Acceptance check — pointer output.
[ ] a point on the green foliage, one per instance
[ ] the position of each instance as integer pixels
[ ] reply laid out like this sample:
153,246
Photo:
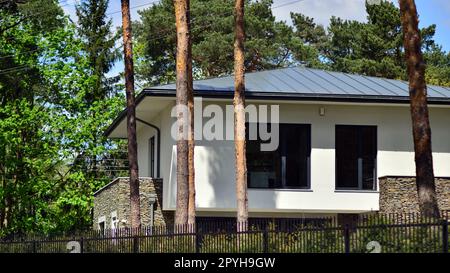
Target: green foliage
269,43
438,66
28,158
56,100
374,48
394,235
94,29
50,133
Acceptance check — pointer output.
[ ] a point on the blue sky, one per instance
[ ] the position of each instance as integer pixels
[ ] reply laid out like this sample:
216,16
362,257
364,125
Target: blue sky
430,12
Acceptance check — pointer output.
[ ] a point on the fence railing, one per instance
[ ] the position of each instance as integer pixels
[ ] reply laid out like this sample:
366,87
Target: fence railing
365,234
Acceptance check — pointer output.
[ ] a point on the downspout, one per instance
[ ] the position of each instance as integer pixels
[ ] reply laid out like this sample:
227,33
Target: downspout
158,143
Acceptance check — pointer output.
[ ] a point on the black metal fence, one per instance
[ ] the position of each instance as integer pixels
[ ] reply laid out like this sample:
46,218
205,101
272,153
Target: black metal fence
392,233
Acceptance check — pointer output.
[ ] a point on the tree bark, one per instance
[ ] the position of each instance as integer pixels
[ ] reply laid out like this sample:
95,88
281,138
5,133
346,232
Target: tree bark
191,142
182,67
419,109
239,117
131,117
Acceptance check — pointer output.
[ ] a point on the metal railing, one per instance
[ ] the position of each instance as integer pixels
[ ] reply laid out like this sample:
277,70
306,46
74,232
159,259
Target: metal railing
393,233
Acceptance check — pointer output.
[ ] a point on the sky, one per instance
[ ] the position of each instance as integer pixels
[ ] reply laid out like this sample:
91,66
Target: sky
430,12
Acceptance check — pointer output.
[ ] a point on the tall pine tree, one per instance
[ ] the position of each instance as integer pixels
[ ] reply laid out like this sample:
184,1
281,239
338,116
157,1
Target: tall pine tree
95,29
269,43
373,48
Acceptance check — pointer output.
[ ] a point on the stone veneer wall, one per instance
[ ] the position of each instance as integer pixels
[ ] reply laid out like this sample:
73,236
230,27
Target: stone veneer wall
399,194
116,197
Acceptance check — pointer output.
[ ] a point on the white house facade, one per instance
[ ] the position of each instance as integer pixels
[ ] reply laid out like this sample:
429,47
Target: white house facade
338,134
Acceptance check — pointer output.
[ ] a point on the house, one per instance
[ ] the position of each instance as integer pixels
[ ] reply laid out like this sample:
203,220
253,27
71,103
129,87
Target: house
342,139
112,204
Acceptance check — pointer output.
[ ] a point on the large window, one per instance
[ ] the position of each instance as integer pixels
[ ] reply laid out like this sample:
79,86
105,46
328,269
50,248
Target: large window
356,157
286,167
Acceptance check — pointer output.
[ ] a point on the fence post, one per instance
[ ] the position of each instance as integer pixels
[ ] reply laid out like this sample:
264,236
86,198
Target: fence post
347,238
266,239
135,244
198,239
34,246
81,245
445,236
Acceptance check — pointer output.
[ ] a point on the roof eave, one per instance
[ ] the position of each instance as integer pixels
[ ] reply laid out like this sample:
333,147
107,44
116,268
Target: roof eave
274,95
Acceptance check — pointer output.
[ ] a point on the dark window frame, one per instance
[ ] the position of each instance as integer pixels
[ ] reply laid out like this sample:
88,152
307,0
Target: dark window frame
102,227
375,175
308,126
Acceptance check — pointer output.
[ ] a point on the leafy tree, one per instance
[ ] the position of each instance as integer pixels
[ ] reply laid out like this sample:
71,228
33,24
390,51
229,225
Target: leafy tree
46,123
28,150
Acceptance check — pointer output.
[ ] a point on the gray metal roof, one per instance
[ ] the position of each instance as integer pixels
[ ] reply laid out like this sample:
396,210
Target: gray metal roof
312,82
300,83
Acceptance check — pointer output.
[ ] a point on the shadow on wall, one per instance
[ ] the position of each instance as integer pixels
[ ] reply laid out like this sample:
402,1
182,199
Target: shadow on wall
220,159
217,179
394,134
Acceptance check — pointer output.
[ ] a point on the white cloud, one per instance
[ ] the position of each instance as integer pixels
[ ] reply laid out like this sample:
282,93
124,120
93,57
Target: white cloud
322,10
113,12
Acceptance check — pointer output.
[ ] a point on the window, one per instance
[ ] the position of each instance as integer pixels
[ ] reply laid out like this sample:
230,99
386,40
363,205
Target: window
286,167
114,220
356,156
102,224
152,200
151,146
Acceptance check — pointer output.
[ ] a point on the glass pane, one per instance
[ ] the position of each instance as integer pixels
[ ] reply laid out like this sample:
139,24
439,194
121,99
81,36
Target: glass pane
353,144
369,180
346,157
369,155
296,139
368,141
265,170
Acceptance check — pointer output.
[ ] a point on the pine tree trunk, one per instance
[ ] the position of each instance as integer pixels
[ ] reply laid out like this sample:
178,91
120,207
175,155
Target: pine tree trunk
419,109
239,117
191,143
131,117
182,67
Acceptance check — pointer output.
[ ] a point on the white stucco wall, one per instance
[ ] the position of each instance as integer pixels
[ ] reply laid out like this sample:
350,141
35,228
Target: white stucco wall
214,160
